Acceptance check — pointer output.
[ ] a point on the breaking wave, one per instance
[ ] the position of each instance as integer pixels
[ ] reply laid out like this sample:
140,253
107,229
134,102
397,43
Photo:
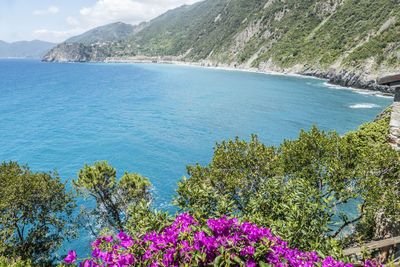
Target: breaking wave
364,105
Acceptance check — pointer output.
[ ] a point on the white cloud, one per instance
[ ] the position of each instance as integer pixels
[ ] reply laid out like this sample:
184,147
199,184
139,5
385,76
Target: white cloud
49,10
72,21
55,36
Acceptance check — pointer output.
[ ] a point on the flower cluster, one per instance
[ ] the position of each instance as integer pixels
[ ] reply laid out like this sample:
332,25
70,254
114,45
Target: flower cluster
222,241
372,263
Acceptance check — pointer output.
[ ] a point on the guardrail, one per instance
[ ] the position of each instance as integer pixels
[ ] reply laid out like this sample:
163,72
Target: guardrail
372,246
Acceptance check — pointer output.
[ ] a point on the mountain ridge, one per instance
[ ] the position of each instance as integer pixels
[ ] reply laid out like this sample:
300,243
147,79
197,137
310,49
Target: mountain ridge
350,42
105,33
25,49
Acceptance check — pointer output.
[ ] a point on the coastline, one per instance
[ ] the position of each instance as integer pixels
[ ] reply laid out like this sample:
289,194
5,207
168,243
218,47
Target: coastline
219,66
357,78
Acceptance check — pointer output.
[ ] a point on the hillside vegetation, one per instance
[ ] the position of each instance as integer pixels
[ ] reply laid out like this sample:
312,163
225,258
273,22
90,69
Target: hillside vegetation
109,32
317,37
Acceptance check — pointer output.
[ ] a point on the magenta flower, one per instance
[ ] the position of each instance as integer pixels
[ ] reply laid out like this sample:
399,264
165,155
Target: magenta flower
122,236
186,242
96,252
251,263
71,258
96,242
248,250
88,263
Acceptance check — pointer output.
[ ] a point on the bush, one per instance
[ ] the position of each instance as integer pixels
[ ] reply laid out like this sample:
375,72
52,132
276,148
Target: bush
6,262
35,214
300,189
113,199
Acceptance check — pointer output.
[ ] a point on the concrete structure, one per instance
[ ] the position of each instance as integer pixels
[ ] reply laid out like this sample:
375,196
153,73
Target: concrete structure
394,132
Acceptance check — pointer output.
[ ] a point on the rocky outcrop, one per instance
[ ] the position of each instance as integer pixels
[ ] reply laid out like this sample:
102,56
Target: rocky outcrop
394,132
68,52
75,52
347,78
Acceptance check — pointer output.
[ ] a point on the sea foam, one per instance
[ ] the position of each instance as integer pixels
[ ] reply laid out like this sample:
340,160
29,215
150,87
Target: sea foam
364,105
358,91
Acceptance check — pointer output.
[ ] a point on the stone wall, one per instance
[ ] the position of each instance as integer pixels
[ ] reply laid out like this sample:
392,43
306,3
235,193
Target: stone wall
394,132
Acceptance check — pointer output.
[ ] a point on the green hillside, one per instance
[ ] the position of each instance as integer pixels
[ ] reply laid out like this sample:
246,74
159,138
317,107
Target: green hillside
109,32
318,32
202,28
318,37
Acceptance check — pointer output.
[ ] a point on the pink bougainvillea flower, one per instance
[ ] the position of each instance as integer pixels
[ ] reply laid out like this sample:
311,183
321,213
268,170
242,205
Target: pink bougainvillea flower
71,258
184,240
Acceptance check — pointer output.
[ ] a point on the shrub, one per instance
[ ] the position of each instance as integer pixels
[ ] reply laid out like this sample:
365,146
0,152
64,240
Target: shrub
301,189
113,199
35,213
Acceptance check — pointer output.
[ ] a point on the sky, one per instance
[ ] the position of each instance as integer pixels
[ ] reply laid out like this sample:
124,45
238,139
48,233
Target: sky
57,20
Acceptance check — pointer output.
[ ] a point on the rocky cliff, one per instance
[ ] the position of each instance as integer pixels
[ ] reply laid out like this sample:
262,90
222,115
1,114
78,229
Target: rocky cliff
75,52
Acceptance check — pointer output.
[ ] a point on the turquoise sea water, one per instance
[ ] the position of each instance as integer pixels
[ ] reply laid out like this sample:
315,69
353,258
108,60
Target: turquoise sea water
155,119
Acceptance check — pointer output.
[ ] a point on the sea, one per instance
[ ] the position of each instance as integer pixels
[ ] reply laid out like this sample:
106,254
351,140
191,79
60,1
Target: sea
154,119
